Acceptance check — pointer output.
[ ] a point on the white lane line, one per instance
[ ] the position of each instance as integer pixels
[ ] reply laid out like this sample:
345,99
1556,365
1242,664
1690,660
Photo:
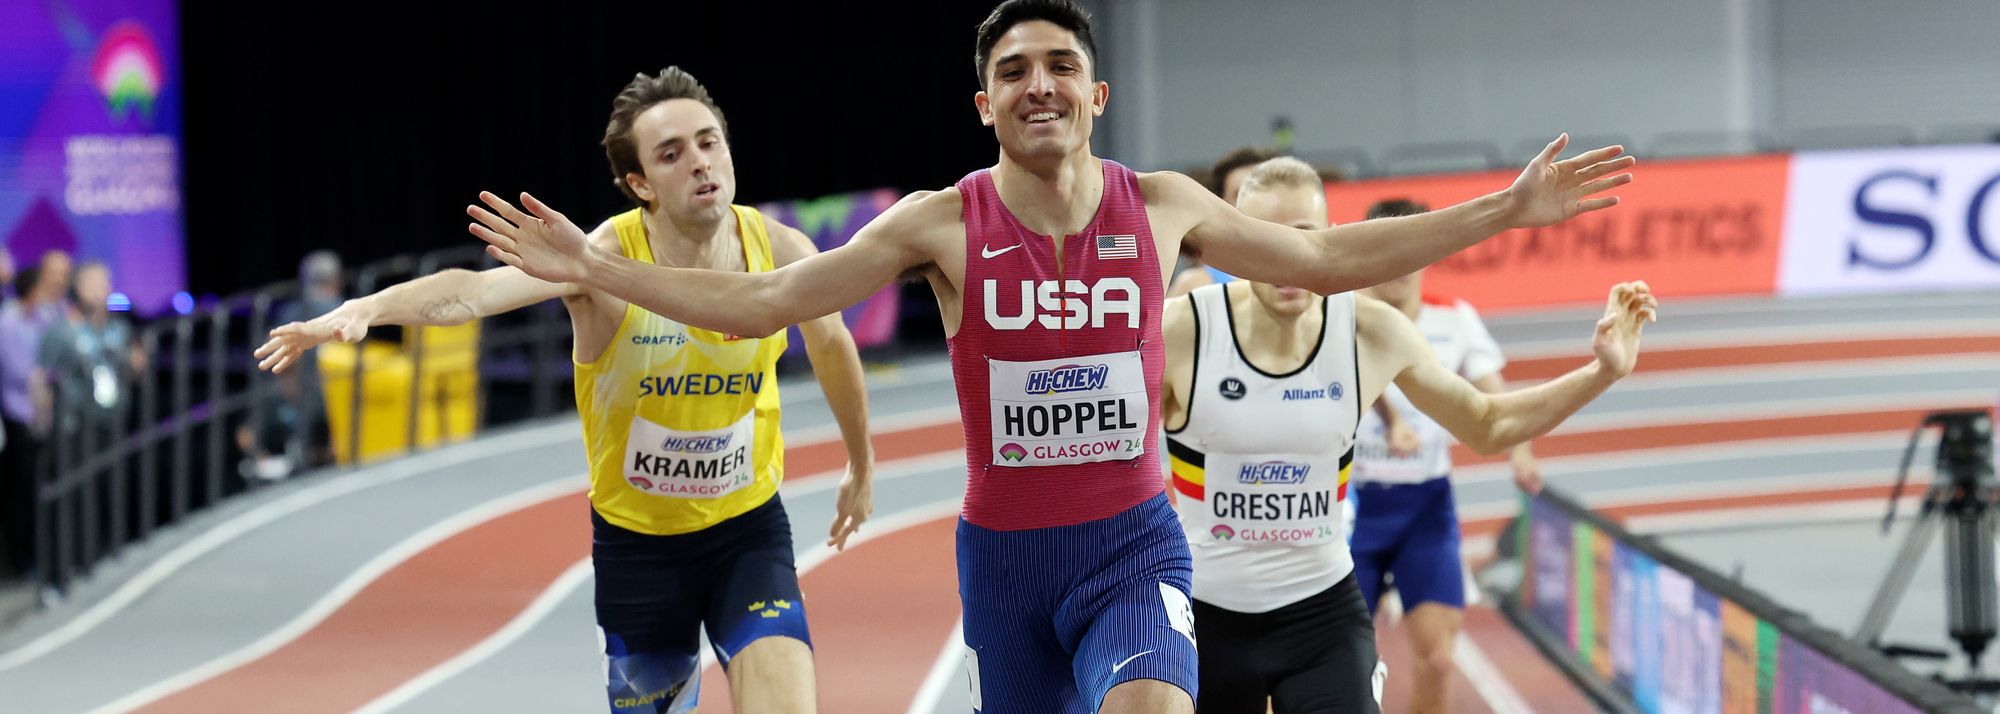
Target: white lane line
1654,416
1486,679
940,677
345,590
335,486
546,603
340,485
1786,514
1614,464
536,611
879,527
1783,372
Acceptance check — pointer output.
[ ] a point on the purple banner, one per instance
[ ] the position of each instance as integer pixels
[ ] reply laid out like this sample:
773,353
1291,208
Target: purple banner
832,221
90,123
1812,683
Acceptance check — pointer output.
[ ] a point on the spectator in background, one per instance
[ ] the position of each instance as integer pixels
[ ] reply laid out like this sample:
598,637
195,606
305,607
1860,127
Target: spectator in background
1224,178
22,324
90,358
293,434
6,277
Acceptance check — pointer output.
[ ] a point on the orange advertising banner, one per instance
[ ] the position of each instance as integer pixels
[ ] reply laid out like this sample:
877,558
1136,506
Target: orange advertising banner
1698,227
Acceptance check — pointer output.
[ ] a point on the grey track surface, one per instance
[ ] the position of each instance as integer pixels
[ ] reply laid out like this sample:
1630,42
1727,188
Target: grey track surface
243,589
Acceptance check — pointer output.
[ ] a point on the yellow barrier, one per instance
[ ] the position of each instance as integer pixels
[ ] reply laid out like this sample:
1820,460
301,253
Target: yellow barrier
448,395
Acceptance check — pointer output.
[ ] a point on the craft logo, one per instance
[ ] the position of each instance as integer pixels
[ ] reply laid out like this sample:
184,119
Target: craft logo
1068,378
1013,452
1222,532
128,70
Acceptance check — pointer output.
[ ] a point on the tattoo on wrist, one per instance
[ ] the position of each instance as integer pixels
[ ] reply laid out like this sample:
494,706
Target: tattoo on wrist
453,307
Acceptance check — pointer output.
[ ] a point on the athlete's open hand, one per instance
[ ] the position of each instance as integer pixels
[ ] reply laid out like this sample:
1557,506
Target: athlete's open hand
1551,191
546,245
1626,313
855,503
346,323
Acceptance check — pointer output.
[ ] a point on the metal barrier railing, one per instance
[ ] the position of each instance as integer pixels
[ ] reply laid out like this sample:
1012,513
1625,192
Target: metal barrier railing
1595,599
113,477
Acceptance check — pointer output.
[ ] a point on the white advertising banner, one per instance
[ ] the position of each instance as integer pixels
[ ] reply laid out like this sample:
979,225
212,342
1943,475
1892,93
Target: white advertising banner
1881,220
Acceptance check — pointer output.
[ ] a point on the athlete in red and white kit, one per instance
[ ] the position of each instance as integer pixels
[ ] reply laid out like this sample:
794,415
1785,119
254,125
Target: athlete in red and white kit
1048,268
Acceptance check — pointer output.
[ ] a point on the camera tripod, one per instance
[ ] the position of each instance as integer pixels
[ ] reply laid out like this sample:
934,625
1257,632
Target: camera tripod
1961,499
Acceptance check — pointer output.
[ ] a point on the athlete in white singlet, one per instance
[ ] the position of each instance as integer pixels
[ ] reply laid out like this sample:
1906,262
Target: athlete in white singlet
1265,387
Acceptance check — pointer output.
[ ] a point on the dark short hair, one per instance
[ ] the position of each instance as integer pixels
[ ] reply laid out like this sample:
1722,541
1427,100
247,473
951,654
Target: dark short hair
1065,14
641,94
1390,208
1239,157
26,279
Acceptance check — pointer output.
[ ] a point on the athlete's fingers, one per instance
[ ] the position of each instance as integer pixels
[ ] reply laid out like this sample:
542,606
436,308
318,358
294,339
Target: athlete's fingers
505,209
1579,161
1604,167
494,222
497,240
1549,153
503,256
265,350
284,363
540,209
1595,204
1605,184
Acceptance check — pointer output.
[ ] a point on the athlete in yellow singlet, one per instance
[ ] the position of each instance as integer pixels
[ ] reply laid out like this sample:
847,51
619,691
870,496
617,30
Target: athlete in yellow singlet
681,424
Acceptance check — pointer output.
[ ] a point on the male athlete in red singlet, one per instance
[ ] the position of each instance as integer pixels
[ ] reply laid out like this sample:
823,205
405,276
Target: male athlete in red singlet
1048,267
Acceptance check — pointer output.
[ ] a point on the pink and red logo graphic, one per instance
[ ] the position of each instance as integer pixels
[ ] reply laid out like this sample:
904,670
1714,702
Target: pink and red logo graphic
128,70
1013,452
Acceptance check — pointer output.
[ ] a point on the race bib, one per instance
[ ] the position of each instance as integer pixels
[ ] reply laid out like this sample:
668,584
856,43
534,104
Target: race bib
690,464
1374,461
1072,410
1276,499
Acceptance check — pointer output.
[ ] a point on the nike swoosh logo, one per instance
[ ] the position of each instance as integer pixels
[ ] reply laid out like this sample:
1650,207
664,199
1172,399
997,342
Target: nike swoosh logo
1128,660
985,252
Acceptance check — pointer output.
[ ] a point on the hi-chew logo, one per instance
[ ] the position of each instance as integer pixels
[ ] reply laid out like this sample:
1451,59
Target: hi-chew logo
696,444
1275,472
128,70
1067,378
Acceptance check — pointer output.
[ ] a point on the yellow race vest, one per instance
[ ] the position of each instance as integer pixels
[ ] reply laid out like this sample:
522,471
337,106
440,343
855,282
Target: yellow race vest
681,423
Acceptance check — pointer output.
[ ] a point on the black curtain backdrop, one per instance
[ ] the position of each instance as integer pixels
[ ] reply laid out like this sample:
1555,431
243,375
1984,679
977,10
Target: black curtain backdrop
366,127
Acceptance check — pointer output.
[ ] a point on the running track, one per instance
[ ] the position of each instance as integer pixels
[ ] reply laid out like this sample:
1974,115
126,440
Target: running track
458,580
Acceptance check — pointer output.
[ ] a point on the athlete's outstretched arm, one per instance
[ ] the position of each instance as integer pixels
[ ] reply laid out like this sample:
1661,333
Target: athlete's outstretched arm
547,245
836,363
1393,350
1357,255
447,297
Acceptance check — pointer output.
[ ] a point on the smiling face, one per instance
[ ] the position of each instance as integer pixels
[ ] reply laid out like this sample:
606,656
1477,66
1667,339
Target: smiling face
686,169
1040,97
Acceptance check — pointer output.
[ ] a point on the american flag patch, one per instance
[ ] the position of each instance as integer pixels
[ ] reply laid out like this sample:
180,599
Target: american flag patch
1117,247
